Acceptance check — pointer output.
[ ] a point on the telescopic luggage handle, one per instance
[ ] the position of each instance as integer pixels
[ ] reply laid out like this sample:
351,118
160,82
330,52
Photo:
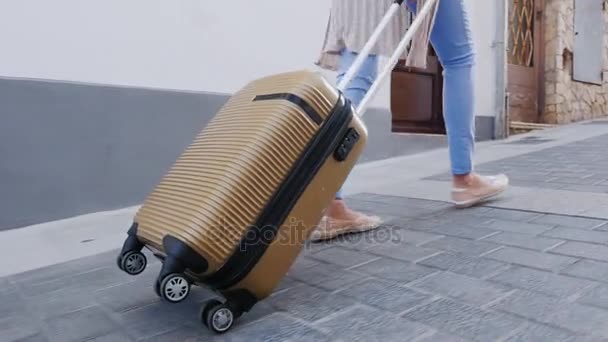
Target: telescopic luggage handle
393,60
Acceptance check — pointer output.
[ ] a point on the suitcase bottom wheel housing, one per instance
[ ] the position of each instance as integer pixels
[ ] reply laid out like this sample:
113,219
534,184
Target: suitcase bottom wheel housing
131,260
219,317
173,284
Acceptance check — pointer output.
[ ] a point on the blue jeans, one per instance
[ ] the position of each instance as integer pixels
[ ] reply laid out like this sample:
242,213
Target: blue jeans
452,41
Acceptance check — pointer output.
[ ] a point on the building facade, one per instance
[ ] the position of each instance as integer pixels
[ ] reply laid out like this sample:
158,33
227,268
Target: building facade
99,98
555,67
576,58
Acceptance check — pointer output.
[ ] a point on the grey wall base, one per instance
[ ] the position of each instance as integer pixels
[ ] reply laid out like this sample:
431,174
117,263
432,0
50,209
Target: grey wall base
68,149
484,128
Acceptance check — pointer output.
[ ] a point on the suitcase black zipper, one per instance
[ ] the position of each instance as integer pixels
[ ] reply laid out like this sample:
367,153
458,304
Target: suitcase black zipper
263,233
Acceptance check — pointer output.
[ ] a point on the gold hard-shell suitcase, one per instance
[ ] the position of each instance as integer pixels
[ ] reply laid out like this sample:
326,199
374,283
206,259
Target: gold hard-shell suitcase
234,211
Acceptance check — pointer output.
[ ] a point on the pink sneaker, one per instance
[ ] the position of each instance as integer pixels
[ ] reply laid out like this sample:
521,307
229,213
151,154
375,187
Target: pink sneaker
484,188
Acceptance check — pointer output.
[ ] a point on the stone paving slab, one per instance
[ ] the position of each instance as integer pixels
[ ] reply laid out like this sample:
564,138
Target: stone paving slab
431,273
579,166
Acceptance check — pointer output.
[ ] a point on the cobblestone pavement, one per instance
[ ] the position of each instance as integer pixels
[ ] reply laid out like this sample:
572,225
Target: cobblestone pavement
581,166
432,273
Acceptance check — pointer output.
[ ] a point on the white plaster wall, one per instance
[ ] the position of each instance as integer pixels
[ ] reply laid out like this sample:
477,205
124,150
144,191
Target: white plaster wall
483,23
214,46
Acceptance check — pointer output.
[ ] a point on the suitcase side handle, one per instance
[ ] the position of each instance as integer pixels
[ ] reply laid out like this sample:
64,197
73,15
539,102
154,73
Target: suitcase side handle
393,60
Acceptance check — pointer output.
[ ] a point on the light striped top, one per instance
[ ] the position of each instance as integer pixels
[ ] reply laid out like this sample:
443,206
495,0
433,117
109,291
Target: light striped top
352,22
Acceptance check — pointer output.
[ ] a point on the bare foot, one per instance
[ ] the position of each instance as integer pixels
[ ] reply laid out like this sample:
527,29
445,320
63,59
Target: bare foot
339,220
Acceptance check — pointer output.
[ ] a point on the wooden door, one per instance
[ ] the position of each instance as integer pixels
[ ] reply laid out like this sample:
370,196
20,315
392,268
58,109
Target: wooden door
416,98
525,60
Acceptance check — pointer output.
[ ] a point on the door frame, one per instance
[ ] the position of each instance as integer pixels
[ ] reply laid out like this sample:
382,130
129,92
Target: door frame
501,104
514,71
540,13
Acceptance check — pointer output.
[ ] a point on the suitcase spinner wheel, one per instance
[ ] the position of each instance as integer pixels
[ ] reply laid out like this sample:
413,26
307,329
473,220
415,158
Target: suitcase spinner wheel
217,316
131,260
133,263
173,288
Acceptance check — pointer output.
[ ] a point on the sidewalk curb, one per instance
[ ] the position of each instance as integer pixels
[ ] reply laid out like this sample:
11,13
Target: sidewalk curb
98,232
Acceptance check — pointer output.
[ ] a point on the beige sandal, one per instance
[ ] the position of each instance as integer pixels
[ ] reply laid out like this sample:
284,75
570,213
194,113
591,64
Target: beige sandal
330,228
491,187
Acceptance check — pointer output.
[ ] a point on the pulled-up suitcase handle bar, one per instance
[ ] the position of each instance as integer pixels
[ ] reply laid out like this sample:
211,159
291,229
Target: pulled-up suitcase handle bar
394,59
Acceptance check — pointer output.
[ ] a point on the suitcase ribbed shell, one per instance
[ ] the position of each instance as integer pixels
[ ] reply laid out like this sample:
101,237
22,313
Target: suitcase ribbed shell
224,179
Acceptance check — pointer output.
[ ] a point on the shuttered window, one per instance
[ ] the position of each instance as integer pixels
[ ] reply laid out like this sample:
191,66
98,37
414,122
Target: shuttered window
588,41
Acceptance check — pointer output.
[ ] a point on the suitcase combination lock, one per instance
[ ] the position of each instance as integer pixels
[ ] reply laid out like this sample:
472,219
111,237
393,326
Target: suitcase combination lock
346,145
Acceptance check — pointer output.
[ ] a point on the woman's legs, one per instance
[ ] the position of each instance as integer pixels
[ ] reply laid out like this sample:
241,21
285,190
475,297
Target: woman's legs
453,42
339,218
360,84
